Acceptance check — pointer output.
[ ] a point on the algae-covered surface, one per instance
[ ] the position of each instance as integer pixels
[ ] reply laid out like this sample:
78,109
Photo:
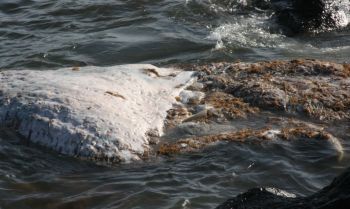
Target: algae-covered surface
276,100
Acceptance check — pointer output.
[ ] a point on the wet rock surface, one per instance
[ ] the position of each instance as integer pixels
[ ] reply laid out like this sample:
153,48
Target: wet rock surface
311,16
336,195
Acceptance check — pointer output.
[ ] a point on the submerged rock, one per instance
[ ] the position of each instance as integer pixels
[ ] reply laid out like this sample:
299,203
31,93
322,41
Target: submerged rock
288,131
334,196
101,113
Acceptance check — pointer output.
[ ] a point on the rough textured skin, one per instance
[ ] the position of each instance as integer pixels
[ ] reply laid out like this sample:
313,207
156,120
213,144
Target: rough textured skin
334,196
99,113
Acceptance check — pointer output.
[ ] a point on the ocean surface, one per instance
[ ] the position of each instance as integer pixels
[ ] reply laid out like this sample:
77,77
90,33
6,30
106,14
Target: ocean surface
46,34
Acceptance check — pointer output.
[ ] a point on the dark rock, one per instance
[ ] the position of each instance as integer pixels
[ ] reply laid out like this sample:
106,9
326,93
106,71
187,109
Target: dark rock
336,195
300,16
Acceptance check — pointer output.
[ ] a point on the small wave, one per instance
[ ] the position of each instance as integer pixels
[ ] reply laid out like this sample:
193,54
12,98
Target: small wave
250,26
257,32
247,32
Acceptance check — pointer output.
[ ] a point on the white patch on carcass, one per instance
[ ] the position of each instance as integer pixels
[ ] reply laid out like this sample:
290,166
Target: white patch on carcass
93,112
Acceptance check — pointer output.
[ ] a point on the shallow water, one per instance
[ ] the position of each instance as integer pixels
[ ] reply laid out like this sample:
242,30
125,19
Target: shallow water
52,34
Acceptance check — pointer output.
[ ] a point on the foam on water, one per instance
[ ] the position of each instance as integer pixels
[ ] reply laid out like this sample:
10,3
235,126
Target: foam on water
344,10
247,26
279,192
94,112
247,32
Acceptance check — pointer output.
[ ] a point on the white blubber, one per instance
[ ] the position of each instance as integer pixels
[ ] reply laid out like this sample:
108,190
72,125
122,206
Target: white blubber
93,112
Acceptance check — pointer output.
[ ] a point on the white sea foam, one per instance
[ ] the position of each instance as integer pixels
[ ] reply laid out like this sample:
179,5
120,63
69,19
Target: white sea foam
102,112
280,192
247,32
258,30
